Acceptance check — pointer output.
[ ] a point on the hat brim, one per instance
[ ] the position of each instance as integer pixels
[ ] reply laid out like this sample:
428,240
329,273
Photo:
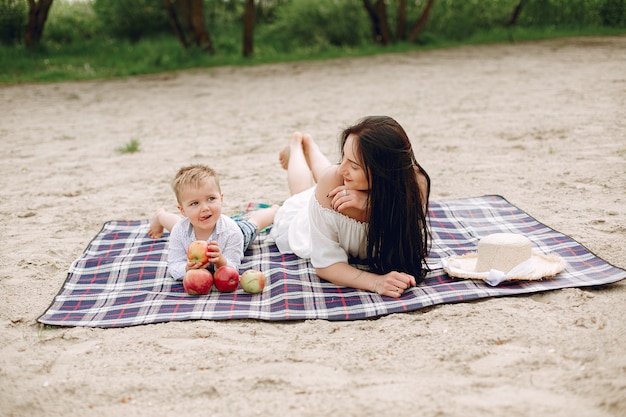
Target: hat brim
544,266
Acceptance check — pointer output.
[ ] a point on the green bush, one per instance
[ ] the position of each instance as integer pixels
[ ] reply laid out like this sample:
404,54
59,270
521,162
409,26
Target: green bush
70,22
573,13
613,13
13,18
113,38
132,19
319,23
456,20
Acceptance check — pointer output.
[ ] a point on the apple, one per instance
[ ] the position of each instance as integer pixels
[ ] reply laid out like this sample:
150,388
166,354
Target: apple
252,281
197,252
226,279
198,281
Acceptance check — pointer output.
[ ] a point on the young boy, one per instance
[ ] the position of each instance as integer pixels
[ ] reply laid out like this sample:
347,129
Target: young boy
200,200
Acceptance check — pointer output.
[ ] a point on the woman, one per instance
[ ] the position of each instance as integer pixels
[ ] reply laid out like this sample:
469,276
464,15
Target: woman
371,206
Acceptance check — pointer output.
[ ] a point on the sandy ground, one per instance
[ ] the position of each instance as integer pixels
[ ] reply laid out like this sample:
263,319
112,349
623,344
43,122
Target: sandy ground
543,124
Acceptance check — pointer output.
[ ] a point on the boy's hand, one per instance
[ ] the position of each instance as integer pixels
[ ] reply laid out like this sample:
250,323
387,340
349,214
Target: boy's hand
215,254
196,265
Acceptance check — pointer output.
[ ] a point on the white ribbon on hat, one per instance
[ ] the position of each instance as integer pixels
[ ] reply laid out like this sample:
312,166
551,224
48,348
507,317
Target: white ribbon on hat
495,277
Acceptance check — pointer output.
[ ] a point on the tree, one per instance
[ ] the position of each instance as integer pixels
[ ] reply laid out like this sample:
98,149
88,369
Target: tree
37,15
401,20
515,15
187,20
380,28
421,22
248,28
378,15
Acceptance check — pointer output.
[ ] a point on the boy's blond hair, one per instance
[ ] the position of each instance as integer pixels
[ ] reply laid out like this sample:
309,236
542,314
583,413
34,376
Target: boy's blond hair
194,176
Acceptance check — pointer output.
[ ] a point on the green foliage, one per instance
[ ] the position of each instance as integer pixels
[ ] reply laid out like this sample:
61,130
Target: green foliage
130,147
456,20
13,17
131,19
613,13
116,38
71,22
318,24
573,13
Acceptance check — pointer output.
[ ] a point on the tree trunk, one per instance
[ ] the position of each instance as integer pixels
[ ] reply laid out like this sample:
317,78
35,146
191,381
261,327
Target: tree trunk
37,15
177,27
248,29
381,10
378,16
401,26
187,20
200,32
515,15
421,22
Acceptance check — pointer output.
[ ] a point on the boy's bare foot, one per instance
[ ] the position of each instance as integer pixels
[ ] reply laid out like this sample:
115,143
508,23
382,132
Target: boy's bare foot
155,230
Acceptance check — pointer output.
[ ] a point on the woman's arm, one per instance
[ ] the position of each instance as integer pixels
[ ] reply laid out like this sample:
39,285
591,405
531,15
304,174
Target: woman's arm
422,183
391,284
329,192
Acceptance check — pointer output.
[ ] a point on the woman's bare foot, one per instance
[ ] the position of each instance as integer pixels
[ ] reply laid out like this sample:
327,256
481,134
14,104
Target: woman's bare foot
285,153
155,230
283,157
315,160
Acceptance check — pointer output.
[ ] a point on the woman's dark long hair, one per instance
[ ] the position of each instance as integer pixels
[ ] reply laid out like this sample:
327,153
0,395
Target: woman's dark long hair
398,235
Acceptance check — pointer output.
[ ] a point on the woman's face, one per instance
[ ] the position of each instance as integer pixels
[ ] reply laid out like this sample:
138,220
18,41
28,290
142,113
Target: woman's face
351,169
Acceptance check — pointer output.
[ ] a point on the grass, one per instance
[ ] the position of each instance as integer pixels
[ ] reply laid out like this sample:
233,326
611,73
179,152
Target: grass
105,59
131,147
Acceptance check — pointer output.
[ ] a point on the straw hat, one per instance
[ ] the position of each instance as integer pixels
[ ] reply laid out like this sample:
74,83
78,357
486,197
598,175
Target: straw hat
503,257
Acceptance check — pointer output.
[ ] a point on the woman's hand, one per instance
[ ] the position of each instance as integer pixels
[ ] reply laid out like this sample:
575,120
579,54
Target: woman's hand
342,199
394,283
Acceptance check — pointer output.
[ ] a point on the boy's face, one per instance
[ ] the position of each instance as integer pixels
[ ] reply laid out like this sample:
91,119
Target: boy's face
203,207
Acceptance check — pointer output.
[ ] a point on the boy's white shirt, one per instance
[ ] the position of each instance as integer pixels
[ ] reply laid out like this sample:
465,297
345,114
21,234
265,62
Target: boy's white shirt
227,234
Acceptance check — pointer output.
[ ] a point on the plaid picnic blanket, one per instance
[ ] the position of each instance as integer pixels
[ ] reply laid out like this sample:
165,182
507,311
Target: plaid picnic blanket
120,279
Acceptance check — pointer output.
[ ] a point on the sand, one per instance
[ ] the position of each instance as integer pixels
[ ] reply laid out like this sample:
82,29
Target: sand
541,123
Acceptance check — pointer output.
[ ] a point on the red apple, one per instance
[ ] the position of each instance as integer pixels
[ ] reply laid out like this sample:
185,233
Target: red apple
197,252
252,281
226,279
197,281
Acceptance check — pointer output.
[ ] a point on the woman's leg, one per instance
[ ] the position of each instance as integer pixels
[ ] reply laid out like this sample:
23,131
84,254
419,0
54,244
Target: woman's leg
316,160
302,158
298,172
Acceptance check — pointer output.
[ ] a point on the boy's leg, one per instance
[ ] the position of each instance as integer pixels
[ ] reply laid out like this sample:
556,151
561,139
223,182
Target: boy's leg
249,231
255,222
160,220
263,217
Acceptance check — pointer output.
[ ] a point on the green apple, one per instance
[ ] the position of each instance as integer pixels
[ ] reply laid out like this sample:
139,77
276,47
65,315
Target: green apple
252,281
